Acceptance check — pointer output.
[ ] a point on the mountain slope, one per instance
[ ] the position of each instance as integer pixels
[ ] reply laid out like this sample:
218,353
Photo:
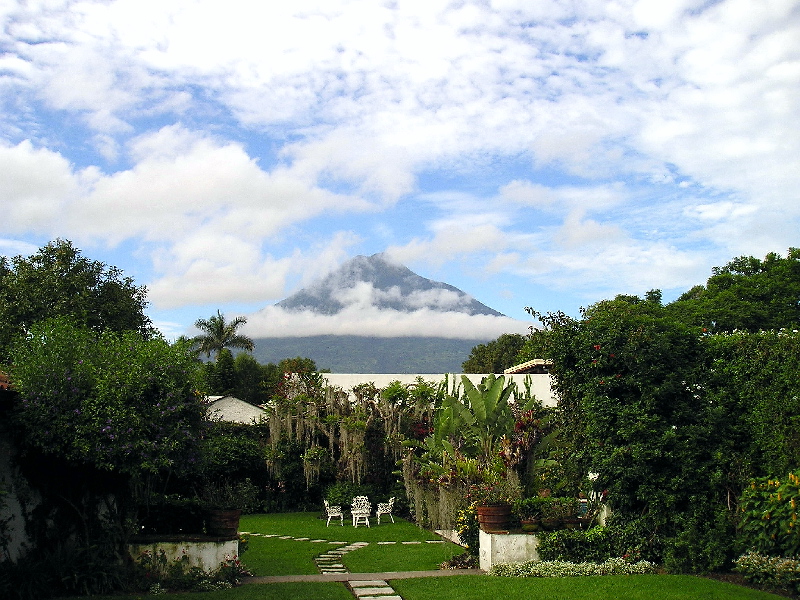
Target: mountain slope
373,280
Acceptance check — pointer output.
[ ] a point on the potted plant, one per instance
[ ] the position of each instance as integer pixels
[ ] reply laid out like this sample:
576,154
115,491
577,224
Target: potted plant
223,502
529,511
493,499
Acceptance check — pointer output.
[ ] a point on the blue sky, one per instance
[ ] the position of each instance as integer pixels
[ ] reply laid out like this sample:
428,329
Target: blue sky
546,154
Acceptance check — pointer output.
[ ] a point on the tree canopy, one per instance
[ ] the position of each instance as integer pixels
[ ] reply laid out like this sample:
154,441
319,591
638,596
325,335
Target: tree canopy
219,334
747,294
59,281
495,356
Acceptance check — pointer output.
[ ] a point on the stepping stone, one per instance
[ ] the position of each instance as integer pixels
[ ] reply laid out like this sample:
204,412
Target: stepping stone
373,591
302,539
286,537
270,535
434,541
393,597
318,541
338,543
386,543
410,543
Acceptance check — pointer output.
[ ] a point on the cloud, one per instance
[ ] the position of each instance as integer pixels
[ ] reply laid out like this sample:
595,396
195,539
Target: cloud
359,319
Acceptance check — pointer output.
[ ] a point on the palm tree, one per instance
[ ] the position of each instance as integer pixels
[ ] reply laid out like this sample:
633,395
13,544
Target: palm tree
217,334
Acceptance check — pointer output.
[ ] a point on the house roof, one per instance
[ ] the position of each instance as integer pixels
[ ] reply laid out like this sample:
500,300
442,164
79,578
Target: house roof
535,366
228,408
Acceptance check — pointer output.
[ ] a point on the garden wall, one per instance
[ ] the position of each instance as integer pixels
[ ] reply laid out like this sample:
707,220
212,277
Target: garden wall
507,548
541,384
207,555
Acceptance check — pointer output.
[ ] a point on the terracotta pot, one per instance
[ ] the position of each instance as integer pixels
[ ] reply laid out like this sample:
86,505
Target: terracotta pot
223,522
495,517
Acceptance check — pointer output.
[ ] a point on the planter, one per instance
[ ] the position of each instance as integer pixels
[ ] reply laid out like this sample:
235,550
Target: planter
223,522
530,525
551,524
495,517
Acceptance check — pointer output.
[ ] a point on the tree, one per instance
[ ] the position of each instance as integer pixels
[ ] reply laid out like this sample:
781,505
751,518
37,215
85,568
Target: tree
495,356
59,281
746,294
217,335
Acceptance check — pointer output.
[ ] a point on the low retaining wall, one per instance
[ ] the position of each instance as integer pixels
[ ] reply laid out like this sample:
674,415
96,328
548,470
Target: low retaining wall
206,553
507,548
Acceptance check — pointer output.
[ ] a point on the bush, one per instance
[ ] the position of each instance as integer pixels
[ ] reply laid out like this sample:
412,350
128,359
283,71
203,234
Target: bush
769,516
468,528
612,566
343,492
772,571
592,545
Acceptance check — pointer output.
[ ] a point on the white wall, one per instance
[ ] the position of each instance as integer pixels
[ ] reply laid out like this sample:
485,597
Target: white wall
540,383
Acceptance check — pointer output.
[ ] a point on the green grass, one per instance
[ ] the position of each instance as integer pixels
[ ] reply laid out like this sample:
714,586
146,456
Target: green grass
274,556
271,591
310,525
611,587
400,557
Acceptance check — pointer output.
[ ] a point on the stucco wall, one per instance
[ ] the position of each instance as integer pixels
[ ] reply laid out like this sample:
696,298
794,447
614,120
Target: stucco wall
507,548
541,384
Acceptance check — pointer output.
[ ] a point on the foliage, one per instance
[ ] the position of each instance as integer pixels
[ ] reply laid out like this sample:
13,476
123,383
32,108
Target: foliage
116,401
769,516
59,281
747,294
342,493
575,545
755,379
155,572
468,528
502,490
219,334
772,571
612,566
226,494
495,356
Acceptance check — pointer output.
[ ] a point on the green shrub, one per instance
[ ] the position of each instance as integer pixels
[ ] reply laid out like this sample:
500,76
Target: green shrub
343,492
468,528
772,571
592,545
769,516
612,566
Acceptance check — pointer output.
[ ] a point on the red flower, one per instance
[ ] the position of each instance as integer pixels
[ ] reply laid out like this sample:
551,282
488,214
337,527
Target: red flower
597,346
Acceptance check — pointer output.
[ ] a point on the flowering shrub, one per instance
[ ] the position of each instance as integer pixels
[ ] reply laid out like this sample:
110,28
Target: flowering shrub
468,528
773,571
157,572
557,568
769,521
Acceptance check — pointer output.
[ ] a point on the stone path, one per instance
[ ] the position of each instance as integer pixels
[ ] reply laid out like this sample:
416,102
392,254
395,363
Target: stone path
365,586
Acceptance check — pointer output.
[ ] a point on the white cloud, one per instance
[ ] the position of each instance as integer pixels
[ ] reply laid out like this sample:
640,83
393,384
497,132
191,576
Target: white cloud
362,320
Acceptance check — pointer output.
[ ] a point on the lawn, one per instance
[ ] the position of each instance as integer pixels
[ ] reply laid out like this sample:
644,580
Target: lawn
610,587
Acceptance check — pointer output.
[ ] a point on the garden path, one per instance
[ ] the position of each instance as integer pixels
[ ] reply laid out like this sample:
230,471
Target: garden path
365,586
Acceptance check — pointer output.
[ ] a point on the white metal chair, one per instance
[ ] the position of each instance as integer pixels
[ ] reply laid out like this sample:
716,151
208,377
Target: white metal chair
361,509
385,508
333,512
